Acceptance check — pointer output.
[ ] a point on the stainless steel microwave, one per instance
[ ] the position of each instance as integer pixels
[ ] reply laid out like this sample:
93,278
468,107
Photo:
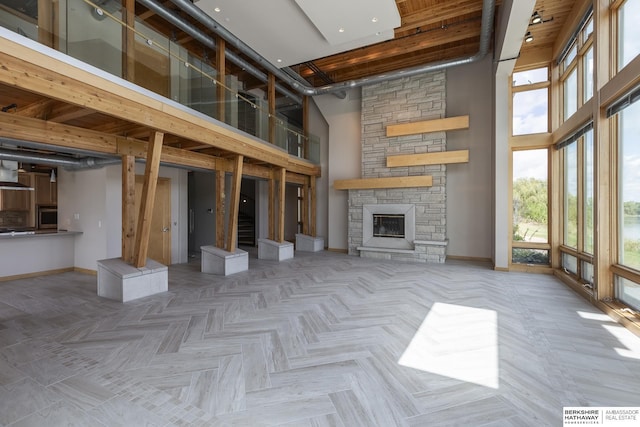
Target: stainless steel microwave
47,217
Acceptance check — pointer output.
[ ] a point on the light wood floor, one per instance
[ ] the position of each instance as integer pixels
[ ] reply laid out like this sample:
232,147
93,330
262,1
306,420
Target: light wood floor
321,340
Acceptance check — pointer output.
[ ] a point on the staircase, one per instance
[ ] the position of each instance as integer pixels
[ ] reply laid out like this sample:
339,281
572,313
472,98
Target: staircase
246,230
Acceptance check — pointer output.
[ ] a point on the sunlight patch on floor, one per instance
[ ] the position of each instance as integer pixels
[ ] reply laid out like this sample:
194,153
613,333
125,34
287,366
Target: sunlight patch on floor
626,338
458,342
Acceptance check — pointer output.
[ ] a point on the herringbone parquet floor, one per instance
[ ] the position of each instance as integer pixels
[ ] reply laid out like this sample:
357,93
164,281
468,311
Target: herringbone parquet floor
321,340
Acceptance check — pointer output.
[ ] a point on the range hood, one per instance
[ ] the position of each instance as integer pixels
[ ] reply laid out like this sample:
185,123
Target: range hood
9,178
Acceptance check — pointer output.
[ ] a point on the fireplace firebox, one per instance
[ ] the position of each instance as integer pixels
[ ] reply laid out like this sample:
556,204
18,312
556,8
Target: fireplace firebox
388,225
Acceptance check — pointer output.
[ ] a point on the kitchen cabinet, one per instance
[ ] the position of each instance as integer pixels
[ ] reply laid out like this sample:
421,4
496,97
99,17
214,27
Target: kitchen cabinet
16,200
46,191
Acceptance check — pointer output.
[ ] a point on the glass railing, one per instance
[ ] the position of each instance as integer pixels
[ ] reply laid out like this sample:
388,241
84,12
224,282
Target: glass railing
99,33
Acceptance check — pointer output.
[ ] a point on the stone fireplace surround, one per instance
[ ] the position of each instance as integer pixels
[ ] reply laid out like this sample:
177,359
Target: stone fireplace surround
403,100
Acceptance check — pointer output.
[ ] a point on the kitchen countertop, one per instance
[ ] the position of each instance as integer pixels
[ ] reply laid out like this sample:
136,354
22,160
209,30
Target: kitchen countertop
40,233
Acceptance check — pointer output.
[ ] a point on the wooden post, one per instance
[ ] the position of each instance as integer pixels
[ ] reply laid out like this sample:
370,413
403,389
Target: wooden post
271,98
604,158
154,150
129,40
45,22
234,204
312,220
272,206
304,214
220,208
221,67
128,207
305,127
281,198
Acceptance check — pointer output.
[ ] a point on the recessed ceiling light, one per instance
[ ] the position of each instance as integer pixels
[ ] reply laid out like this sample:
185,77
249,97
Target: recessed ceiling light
217,9
374,19
341,30
279,60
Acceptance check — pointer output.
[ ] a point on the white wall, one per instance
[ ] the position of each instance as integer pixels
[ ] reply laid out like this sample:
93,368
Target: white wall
319,127
90,201
82,199
469,185
344,158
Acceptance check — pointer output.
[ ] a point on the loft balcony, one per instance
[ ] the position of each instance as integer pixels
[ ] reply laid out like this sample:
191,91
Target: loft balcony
110,79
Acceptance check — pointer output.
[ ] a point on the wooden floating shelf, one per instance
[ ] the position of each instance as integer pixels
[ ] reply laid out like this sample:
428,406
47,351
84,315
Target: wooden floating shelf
422,159
391,182
437,125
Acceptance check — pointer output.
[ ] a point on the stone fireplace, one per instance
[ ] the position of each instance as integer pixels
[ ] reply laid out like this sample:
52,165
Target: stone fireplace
407,224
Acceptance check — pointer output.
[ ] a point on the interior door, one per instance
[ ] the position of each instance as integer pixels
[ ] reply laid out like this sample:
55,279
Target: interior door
160,235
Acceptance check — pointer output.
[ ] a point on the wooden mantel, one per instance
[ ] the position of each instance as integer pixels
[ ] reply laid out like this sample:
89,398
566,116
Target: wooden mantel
376,183
424,159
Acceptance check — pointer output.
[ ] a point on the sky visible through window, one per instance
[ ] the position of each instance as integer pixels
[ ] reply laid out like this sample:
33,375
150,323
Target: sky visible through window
629,31
530,112
630,127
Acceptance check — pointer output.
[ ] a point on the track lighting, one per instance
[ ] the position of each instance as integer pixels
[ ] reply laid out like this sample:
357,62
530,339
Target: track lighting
528,38
536,18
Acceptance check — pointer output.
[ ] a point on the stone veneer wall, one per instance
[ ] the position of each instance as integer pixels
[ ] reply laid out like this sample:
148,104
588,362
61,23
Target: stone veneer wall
403,100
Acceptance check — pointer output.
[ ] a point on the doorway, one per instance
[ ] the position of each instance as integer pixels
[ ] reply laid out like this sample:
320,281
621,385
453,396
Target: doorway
160,234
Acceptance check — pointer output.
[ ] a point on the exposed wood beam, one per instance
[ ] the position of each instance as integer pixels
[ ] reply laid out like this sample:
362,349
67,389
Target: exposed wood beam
282,181
426,126
424,159
220,208
61,113
234,205
173,155
391,182
128,208
38,110
30,129
143,228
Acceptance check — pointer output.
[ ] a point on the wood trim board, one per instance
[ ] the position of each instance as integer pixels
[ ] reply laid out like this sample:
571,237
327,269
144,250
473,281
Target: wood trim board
426,126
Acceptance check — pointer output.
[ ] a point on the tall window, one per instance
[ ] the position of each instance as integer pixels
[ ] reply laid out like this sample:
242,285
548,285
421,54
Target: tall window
530,207
628,32
628,290
629,186
576,68
578,209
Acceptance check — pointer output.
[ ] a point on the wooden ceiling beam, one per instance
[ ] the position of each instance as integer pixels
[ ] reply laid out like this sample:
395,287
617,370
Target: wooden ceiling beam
39,109
62,112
